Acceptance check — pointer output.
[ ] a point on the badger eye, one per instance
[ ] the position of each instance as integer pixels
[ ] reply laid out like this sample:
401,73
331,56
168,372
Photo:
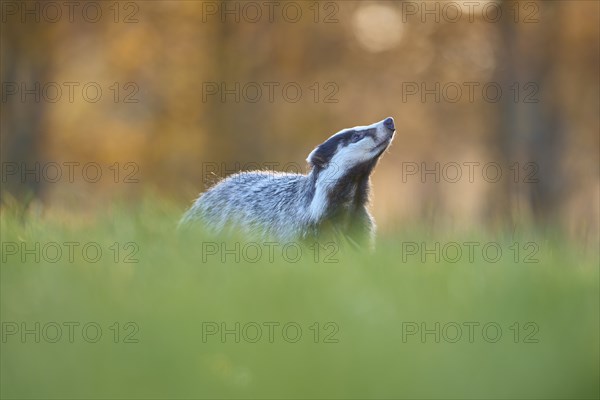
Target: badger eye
356,137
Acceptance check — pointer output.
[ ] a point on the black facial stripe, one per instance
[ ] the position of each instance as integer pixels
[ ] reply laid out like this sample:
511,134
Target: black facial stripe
326,150
364,133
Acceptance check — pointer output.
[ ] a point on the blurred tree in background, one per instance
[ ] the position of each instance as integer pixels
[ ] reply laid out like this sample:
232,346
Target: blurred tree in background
158,64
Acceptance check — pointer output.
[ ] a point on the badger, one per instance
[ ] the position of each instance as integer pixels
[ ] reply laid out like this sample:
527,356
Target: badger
328,203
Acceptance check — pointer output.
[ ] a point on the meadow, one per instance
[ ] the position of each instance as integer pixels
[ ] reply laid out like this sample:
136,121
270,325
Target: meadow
120,305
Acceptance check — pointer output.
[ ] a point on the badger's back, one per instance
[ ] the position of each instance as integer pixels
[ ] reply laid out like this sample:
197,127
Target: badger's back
262,203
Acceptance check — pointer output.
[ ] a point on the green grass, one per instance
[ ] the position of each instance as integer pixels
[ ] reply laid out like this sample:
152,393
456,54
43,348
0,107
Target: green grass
170,293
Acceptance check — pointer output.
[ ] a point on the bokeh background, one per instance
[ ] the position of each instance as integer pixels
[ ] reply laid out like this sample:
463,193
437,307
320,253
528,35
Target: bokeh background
160,125
363,57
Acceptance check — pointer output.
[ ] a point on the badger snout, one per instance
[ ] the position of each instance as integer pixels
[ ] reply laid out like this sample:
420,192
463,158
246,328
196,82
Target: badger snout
384,135
386,129
389,124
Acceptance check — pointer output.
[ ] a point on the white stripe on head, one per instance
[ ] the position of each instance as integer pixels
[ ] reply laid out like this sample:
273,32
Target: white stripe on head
336,156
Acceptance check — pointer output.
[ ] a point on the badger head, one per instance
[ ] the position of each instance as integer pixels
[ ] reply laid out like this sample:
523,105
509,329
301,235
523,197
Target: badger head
353,147
342,164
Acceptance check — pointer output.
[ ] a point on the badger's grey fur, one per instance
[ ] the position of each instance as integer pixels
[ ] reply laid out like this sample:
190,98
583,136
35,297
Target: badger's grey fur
330,202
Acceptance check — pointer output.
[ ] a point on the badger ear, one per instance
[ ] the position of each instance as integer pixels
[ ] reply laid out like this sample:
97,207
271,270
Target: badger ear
324,153
316,159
